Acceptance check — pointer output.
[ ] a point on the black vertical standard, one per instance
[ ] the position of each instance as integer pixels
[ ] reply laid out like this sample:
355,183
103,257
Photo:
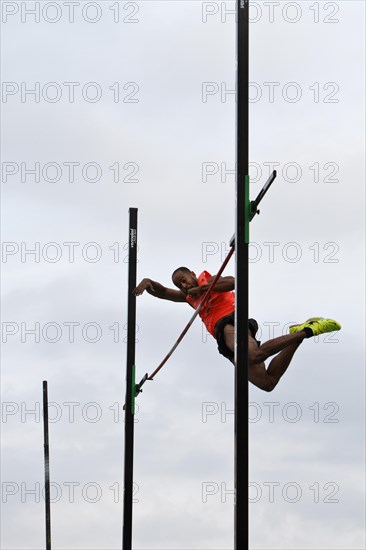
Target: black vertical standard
242,279
46,466
130,385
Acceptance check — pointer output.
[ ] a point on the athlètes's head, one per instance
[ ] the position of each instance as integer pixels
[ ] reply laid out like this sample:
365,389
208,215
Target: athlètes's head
184,279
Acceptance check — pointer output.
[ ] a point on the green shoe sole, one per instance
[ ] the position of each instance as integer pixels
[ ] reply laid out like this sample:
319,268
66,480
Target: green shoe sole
318,325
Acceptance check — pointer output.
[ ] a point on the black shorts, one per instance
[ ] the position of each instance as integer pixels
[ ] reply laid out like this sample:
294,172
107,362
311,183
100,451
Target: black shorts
220,337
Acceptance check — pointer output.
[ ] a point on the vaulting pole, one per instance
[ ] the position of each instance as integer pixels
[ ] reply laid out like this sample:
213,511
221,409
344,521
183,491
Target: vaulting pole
241,474
130,385
46,466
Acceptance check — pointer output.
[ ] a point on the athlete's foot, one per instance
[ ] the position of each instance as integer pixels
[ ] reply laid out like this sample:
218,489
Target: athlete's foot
315,326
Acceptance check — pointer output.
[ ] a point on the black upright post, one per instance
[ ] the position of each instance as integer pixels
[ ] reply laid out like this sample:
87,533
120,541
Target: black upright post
242,279
46,466
130,385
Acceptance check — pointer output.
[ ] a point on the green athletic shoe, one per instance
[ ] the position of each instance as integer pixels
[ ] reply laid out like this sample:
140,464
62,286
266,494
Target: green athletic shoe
317,325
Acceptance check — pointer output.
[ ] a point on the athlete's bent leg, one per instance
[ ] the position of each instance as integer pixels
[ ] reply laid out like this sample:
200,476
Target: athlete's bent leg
269,348
281,362
272,347
267,379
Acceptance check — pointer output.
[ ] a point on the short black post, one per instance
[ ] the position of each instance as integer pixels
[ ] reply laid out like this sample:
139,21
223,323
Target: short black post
130,385
46,466
241,475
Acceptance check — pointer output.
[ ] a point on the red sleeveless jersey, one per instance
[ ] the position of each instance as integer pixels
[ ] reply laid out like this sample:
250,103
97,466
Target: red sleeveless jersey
218,305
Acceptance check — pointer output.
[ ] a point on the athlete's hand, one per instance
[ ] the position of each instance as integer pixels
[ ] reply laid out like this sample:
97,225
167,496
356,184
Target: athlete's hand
197,291
144,285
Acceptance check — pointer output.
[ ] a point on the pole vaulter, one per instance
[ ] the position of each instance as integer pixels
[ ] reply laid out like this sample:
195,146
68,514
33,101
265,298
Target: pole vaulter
234,331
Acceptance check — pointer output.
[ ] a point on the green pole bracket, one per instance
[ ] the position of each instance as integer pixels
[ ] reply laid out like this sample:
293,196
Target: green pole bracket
247,214
133,393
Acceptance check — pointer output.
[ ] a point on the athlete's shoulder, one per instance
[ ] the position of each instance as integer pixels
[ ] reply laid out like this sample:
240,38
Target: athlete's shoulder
204,277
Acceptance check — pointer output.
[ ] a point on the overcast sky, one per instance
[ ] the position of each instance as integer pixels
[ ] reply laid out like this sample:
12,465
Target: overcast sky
108,105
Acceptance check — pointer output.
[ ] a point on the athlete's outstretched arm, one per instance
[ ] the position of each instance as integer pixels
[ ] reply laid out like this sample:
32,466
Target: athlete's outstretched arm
159,291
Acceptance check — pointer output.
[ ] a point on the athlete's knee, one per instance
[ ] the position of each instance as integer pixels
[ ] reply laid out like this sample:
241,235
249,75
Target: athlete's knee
270,384
263,381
